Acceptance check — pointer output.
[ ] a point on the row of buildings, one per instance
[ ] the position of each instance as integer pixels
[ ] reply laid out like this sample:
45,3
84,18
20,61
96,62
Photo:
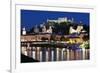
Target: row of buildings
71,30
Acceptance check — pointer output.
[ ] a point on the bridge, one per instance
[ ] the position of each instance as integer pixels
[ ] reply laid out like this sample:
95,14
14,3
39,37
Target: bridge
55,44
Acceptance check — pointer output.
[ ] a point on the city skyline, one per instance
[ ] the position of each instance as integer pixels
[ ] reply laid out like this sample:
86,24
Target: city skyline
30,18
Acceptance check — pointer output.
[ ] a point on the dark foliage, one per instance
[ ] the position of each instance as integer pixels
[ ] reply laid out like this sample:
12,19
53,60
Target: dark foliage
26,59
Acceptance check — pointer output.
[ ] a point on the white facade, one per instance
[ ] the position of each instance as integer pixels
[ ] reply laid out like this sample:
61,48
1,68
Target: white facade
71,30
62,19
78,30
44,30
59,20
49,30
24,31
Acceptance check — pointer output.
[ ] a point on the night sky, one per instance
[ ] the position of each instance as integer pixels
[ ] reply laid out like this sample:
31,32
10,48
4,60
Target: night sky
30,18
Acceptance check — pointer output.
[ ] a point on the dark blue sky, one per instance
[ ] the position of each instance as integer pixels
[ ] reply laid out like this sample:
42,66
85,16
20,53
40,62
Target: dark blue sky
29,18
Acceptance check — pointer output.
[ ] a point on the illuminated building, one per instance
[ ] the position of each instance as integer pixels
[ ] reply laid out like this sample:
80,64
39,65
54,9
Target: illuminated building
24,31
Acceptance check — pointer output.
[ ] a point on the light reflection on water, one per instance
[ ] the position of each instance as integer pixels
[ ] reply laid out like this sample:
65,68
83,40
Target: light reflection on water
45,54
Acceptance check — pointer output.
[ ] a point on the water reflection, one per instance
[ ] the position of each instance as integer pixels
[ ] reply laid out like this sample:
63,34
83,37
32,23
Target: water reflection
45,54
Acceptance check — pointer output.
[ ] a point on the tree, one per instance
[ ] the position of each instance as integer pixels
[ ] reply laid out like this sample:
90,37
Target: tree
62,38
